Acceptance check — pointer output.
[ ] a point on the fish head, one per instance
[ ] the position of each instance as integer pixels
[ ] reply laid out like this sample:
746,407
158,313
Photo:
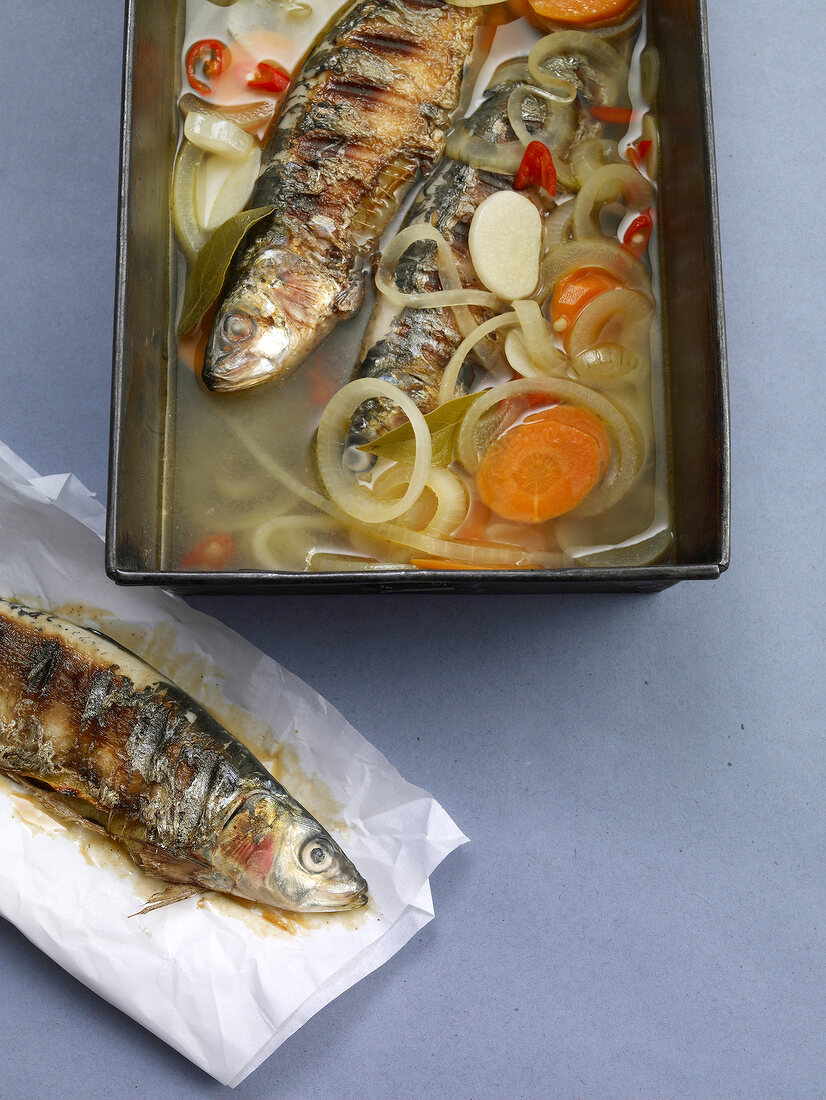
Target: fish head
276,312
277,853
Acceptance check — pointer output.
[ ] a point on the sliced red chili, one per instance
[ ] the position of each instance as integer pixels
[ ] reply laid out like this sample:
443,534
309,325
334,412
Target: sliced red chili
637,152
213,552
638,233
208,57
536,168
269,77
623,115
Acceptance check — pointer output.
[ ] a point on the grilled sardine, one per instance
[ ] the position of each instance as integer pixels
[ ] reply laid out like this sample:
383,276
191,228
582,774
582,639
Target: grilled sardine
103,739
412,348
369,109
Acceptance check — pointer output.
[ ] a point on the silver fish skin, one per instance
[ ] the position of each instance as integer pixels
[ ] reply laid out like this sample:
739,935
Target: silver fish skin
412,348
369,109
102,739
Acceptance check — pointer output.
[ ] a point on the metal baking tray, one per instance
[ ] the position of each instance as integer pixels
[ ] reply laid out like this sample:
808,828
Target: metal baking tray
692,324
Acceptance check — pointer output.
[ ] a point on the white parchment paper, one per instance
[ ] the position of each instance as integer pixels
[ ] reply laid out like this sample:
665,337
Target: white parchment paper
214,980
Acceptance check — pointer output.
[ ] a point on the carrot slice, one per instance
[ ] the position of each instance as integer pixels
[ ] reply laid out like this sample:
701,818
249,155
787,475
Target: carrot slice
213,552
583,13
542,467
573,293
583,421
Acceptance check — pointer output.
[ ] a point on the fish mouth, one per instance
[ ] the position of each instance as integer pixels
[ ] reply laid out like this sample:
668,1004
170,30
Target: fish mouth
239,371
343,904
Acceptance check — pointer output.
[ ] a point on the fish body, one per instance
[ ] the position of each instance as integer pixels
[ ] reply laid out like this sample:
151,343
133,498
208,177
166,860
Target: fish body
411,348
103,739
369,109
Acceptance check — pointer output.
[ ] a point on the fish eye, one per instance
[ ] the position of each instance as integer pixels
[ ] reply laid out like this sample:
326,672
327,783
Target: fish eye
317,855
236,328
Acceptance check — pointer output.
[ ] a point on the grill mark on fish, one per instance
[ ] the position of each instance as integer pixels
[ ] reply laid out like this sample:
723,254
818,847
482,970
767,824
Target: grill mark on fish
413,347
45,665
387,41
367,111
88,723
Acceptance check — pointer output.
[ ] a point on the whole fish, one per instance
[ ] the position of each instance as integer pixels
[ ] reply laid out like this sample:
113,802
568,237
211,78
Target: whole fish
411,348
369,109
102,739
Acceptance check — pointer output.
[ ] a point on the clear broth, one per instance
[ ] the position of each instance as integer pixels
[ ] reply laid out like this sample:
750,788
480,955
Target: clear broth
222,470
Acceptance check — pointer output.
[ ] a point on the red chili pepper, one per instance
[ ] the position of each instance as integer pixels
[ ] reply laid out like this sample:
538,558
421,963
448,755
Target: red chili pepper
637,152
638,233
212,56
213,552
269,77
623,115
537,167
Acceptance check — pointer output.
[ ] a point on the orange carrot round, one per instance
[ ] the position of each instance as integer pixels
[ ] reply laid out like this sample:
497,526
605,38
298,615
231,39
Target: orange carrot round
582,13
573,293
215,552
544,466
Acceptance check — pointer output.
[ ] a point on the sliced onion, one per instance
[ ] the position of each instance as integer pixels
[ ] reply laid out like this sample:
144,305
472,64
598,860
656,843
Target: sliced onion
608,255
538,340
320,561
188,229
290,533
447,386
650,73
517,356
342,489
618,316
249,116
586,156
452,501
455,294
487,156
446,507
642,549
626,450
558,223
651,160
609,70
236,189
608,365
217,135
474,553
558,128
604,186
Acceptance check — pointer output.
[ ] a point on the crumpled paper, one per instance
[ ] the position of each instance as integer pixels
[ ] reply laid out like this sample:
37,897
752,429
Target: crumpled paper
215,980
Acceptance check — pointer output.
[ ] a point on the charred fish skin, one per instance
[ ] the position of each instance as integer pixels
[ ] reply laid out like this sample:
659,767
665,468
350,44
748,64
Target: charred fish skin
105,740
412,348
368,111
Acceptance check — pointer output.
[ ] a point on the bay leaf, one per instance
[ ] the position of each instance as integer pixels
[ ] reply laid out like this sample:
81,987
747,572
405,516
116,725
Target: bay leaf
443,423
209,268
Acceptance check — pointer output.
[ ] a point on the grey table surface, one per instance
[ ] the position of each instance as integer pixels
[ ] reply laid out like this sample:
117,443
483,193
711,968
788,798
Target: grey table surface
641,909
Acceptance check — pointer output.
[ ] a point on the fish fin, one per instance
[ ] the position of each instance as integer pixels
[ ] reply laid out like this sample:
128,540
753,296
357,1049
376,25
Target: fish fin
168,896
302,296
178,869
56,806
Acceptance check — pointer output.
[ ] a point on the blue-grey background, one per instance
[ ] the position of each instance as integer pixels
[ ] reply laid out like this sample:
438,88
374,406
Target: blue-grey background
641,909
